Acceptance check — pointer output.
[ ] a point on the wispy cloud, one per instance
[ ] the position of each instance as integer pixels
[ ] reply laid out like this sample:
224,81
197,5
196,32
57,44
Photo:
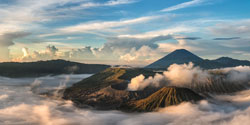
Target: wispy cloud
86,27
108,3
228,28
30,14
189,38
184,5
163,32
229,38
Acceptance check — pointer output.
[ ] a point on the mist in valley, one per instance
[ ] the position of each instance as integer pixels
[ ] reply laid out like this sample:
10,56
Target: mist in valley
22,102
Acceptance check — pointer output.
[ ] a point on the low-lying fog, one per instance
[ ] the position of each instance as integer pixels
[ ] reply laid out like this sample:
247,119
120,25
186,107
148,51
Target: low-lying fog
20,103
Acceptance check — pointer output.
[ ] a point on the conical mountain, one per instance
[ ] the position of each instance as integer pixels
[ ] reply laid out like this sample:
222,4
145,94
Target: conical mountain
179,56
164,97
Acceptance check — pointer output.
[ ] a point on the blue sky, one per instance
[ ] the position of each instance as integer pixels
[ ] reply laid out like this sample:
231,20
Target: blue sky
134,32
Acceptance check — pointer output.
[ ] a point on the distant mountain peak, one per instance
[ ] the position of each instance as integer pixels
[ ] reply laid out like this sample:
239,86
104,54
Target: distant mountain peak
178,56
181,56
181,50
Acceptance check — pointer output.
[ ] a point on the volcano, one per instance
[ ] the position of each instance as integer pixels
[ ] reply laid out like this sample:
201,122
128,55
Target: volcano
179,56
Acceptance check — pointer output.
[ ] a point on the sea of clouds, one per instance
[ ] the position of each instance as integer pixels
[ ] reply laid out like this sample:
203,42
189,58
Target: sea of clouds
22,104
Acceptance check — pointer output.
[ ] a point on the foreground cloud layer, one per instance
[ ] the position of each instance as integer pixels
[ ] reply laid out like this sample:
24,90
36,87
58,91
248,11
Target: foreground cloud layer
22,105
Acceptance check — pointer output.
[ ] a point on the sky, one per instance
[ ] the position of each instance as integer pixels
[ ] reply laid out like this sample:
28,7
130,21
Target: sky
126,32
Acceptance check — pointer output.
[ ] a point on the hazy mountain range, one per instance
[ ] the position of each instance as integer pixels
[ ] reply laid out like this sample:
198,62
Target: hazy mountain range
182,56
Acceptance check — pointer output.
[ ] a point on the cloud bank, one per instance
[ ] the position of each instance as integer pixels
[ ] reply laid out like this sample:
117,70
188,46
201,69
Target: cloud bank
20,106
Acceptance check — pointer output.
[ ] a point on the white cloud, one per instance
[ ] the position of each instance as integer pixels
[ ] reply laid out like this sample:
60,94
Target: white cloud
184,5
180,44
3,97
231,28
145,54
51,52
116,50
105,25
25,52
163,32
7,40
29,14
85,53
108,3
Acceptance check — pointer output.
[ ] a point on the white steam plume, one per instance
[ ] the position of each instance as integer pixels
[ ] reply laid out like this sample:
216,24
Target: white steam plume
237,74
35,86
186,75
58,93
139,82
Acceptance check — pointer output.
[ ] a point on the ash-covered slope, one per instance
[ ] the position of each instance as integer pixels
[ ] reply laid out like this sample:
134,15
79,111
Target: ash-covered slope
164,97
180,56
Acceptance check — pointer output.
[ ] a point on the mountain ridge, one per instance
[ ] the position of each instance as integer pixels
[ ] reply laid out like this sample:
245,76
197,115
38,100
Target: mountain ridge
181,56
49,67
